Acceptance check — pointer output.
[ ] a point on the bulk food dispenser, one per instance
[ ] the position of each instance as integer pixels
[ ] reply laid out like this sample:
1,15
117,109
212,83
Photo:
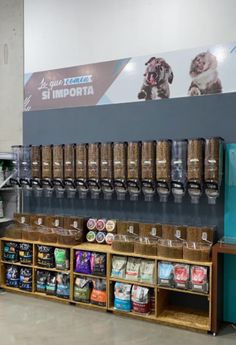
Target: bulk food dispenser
148,169
36,170
213,168
46,180
120,169
195,169
133,169
94,170
57,170
81,169
69,170
106,170
178,169
22,167
163,168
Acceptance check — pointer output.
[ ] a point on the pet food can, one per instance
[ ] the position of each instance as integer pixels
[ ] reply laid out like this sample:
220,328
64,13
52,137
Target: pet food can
109,238
91,224
101,224
91,236
110,225
100,237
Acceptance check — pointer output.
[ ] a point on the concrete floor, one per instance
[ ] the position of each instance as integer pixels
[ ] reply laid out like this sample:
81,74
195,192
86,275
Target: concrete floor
31,321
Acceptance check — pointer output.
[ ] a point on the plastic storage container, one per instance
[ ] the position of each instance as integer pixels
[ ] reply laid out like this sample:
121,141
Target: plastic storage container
197,251
145,246
123,243
170,249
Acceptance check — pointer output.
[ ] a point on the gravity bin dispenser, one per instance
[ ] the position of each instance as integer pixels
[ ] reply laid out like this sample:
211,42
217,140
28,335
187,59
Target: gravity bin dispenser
57,169
81,170
195,169
69,170
36,170
22,168
120,169
47,163
94,170
213,168
133,169
148,169
163,169
106,170
179,169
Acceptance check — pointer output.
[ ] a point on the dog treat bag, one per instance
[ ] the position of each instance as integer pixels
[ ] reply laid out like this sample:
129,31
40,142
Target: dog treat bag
99,295
26,253
41,281
10,251
82,290
51,283
45,256
61,258
133,269
199,279
63,285
12,276
165,273
181,276
25,279
122,296
98,264
83,262
140,299
147,270
118,266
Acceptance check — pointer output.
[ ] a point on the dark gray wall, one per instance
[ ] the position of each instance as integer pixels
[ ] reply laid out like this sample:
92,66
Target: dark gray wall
204,116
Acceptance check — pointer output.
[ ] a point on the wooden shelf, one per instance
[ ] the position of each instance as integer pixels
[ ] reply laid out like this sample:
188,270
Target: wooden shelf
93,247
10,288
57,245
16,264
186,318
89,275
126,281
183,291
90,305
51,297
51,269
188,262
132,314
148,257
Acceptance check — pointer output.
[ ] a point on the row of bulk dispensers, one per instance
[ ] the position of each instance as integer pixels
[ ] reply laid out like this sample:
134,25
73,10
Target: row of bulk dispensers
192,166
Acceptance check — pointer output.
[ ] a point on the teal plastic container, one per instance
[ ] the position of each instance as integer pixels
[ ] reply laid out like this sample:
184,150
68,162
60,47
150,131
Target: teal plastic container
230,231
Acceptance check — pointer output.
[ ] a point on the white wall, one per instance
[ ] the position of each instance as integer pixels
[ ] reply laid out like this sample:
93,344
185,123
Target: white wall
61,33
11,72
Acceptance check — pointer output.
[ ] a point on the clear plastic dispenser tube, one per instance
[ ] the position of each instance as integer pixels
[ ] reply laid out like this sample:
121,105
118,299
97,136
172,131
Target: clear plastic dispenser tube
178,169
81,170
148,170
163,154
134,170
94,170
213,168
106,170
120,169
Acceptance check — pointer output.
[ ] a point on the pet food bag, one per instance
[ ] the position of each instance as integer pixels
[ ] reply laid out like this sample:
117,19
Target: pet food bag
181,276
140,300
63,285
61,256
199,279
12,276
26,253
82,264
133,269
25,282
147,271
82,290
118,266
41,281
122,294
45,256
51,284
99,295
10,251
165,273
98,264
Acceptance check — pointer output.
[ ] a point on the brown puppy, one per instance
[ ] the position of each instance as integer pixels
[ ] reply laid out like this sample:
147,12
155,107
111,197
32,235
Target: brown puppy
203,71
157,76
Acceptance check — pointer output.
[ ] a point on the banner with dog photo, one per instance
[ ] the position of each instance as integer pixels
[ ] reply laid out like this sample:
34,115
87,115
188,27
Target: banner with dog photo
195,72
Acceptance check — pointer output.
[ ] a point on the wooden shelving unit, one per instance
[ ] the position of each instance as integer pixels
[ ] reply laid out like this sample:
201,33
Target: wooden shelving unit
166,310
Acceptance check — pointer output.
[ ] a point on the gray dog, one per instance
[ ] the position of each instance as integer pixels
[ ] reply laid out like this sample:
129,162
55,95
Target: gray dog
157,77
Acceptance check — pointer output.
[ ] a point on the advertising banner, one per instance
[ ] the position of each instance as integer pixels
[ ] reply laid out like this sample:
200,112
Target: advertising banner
195,72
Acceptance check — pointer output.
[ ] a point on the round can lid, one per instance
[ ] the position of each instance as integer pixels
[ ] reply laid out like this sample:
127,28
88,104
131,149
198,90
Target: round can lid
109,238
91,235
100,237
100,224
91,224
110,225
